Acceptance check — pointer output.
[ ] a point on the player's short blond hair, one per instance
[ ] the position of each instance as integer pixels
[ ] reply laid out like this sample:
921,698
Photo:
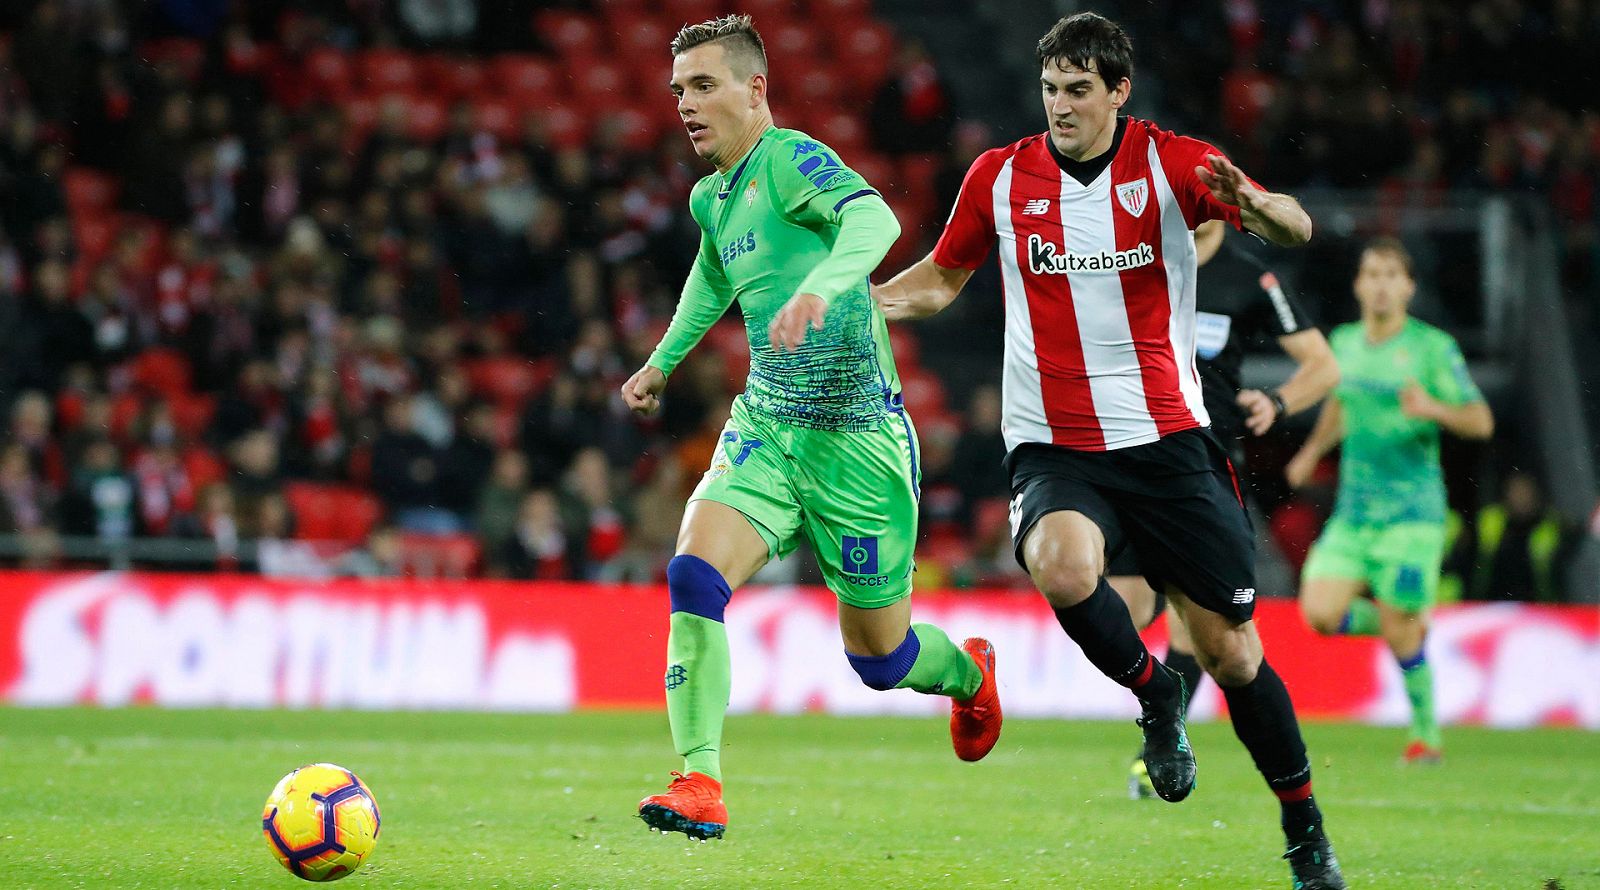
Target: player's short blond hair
747,54
1392,246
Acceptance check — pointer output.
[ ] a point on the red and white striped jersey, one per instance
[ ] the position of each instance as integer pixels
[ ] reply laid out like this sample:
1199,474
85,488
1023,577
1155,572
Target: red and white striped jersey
1099,284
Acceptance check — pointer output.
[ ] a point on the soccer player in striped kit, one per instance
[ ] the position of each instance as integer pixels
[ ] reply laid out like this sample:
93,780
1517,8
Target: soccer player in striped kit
1104,419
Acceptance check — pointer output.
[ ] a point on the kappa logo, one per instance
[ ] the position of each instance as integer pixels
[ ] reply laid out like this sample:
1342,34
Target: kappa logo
1244,595
1036,206
1133,196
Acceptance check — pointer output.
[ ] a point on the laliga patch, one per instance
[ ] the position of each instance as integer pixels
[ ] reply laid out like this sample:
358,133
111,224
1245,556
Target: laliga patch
1133,196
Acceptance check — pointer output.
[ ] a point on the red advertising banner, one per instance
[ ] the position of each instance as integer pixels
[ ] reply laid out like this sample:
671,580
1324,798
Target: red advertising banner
241,641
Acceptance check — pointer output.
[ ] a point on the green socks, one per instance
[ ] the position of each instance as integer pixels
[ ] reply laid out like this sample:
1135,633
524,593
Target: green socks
942,667
699,680
1419,689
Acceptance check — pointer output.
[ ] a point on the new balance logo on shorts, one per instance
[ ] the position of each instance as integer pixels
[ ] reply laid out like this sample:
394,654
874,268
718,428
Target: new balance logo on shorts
1244,595
859,555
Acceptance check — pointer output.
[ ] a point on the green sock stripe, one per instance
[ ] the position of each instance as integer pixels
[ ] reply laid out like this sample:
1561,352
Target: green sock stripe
699,680
941,668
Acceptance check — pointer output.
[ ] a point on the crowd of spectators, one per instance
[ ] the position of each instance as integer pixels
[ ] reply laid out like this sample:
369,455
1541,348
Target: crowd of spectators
218,285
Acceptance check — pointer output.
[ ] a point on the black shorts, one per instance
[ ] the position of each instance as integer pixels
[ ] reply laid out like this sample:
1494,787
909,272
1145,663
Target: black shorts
1175,501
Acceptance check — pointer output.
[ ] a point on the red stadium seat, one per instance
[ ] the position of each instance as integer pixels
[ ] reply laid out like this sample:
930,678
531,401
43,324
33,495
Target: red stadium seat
603,83
454,77
331,71
878,172
426,116
840,14
89,190
768,13
509,380
188,56
499,117
203,466
93,232
922,391
692,11
792,42
162,371
440,556
388,71
818,90
842,131
568,32
192,413
989,516
563,127
640,40
728,338
526,76
331,512
865,53
907,348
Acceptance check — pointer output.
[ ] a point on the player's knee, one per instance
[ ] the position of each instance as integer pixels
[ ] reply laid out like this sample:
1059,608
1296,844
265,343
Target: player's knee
696,587
1321,618
883,672
1065,578
1232,668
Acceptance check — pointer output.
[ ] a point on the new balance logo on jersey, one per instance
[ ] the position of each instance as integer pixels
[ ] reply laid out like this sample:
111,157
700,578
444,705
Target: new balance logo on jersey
1043,258
1244,595
1036,207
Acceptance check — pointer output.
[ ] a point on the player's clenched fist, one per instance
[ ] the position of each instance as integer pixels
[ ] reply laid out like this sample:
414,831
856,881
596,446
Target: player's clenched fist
643,390
788,330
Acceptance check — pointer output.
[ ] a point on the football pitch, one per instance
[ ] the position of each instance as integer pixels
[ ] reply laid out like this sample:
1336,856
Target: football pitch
158,799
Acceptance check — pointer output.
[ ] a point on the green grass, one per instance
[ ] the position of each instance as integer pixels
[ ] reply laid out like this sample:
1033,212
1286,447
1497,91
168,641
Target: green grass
141,798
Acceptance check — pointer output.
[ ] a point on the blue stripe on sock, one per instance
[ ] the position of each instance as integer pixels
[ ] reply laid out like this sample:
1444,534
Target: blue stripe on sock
1344,624
886,671
1415,661
694,586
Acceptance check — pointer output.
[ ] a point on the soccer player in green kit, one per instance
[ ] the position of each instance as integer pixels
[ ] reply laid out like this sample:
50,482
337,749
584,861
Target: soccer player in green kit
1401,381
818,445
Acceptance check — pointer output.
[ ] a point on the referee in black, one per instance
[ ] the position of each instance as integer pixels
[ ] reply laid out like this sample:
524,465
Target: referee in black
1240,302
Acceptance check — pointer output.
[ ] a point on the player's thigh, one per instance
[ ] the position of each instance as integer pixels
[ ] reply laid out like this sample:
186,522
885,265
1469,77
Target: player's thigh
744,511
858,495
1406,558
1336,572
1061,525
1178,638
1192,534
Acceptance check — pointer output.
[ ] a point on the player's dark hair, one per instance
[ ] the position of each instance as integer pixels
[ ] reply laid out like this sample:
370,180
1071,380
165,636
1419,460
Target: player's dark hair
1089,39
747,55
1393,247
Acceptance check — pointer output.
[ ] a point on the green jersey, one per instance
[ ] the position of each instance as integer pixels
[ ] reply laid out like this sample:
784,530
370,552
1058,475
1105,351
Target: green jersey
1389,471
789,218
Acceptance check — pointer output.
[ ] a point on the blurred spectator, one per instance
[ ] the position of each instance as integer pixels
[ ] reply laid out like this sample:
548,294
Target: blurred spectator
975,465
1517,549
658,509
254,479
25,503
498,506
166,494
382,557
53,332
100,501
465,464
911,112
539,547
405,472
593,515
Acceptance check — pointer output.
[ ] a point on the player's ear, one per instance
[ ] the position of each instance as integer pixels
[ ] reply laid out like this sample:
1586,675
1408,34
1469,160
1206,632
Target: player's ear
1120,92
758,89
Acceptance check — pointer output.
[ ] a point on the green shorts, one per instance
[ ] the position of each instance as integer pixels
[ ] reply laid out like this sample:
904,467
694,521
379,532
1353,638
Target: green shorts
1400,562
853,495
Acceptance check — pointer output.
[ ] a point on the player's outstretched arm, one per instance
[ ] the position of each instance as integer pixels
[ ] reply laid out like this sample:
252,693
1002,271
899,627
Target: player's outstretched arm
1324,436
923,289
1277,218
1473,420
1316,374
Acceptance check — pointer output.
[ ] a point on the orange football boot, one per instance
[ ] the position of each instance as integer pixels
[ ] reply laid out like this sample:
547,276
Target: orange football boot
975,722
692,805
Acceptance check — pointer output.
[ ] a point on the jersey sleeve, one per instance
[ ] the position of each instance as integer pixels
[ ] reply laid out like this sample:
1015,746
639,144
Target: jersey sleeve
969,232
1449,380
706,297
1180,155
813,186
1287,316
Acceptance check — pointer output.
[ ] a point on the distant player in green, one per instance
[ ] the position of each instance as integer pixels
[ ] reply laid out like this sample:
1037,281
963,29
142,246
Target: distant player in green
1401,381
819,444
